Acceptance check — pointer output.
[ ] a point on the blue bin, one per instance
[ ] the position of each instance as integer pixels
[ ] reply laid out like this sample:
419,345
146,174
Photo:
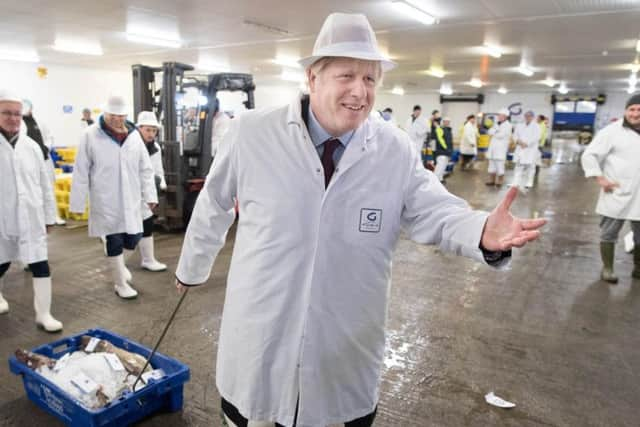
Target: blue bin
164,394
67,168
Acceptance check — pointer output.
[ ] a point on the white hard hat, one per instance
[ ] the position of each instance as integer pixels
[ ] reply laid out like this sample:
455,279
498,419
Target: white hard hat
8,96
504,112
116,105
147,118
347,35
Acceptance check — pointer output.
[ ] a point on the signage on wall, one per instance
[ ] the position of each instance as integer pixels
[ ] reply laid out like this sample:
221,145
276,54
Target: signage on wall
42,72
67,109
599,99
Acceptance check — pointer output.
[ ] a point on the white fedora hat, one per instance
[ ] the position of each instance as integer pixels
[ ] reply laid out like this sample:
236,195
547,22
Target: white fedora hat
147,118
347,35
116,105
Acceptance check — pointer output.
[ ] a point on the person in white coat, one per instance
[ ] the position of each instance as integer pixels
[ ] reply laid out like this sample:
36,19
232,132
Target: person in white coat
527,137
469,142
114,171
498,147
221,122
27,209
303,331
40,133
148,127
418,129
613,159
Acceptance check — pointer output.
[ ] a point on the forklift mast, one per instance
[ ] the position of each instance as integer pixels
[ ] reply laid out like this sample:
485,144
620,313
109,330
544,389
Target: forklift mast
185,135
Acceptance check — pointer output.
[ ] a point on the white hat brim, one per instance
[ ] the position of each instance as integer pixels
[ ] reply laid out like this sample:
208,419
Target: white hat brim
387,64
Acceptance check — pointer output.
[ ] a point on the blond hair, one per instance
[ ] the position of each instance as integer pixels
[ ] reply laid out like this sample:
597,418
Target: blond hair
319,66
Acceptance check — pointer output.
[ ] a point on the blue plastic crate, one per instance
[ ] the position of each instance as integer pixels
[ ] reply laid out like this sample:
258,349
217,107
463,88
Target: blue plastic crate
164,394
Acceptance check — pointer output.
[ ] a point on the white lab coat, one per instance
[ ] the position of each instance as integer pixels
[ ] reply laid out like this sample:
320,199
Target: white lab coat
115,178
221,124
26,202
530,135
417,130
308,285
158,171
615,153
500,137
469,141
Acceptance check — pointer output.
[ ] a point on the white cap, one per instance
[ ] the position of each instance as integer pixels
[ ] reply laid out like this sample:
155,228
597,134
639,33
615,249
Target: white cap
7,96
504,112
147,118
116,105
350,36
446,119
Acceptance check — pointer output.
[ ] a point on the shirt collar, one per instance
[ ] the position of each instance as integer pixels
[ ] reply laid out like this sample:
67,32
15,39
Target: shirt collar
319,135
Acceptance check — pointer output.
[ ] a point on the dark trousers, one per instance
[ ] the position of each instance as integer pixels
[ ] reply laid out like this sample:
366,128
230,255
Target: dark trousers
117,242
147,227
38,269
234,415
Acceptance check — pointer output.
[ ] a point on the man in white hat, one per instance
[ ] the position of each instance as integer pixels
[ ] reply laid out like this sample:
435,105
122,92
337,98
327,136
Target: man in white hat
114,171
497,153
323,192
27,209
611,159
148,127
527,137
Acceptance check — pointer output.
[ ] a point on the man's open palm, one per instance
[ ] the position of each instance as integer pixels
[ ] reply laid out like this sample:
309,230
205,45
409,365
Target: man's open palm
503,231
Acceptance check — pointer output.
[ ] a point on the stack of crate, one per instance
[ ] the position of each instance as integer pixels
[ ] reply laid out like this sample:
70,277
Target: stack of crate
64,158
62,191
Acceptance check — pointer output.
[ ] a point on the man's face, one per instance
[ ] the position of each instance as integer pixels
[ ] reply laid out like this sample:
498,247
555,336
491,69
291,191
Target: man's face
436,115
115,121
10,117
446,123
416,113
632,114
148,133
502,117
342,94
528,118
86,115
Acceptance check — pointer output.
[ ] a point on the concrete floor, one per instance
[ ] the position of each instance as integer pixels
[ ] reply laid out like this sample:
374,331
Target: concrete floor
547,335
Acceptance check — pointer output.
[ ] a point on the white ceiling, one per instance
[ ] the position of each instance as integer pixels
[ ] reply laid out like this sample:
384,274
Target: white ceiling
561,38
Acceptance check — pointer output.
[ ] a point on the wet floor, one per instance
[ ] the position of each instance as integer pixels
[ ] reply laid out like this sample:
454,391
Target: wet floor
546,335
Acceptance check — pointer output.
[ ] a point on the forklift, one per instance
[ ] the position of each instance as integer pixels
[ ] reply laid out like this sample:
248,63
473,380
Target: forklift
186,128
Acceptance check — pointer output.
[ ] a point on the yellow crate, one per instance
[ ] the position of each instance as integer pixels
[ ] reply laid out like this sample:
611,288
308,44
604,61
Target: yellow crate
63,210
60,196
58,171
483,141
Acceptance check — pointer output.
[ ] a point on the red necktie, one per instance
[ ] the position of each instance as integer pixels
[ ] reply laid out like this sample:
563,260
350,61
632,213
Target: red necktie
330,146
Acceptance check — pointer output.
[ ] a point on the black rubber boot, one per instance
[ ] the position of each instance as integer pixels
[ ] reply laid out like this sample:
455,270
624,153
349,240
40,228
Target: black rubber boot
607,252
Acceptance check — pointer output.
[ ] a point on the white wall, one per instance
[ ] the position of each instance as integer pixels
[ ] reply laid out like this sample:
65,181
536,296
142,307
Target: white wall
74,86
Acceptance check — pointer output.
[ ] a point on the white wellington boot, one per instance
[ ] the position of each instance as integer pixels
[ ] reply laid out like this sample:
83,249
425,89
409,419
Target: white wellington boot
126,256
42,304
148,259
122,288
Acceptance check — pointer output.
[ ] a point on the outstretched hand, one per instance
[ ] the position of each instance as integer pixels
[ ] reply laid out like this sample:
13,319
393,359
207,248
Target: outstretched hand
503,231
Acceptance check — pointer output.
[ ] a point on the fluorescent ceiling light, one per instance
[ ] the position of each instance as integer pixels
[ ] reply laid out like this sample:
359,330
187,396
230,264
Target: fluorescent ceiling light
523,69
549,82
502,90
19,55
563,89
633,79
82,47
412,9
631,89
397,90
638,46
635,67
445,89
153,40
492,50
287,61
436,72
475,82
292,75
209,65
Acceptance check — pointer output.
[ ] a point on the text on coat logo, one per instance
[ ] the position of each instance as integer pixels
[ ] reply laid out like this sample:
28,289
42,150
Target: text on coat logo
370,220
